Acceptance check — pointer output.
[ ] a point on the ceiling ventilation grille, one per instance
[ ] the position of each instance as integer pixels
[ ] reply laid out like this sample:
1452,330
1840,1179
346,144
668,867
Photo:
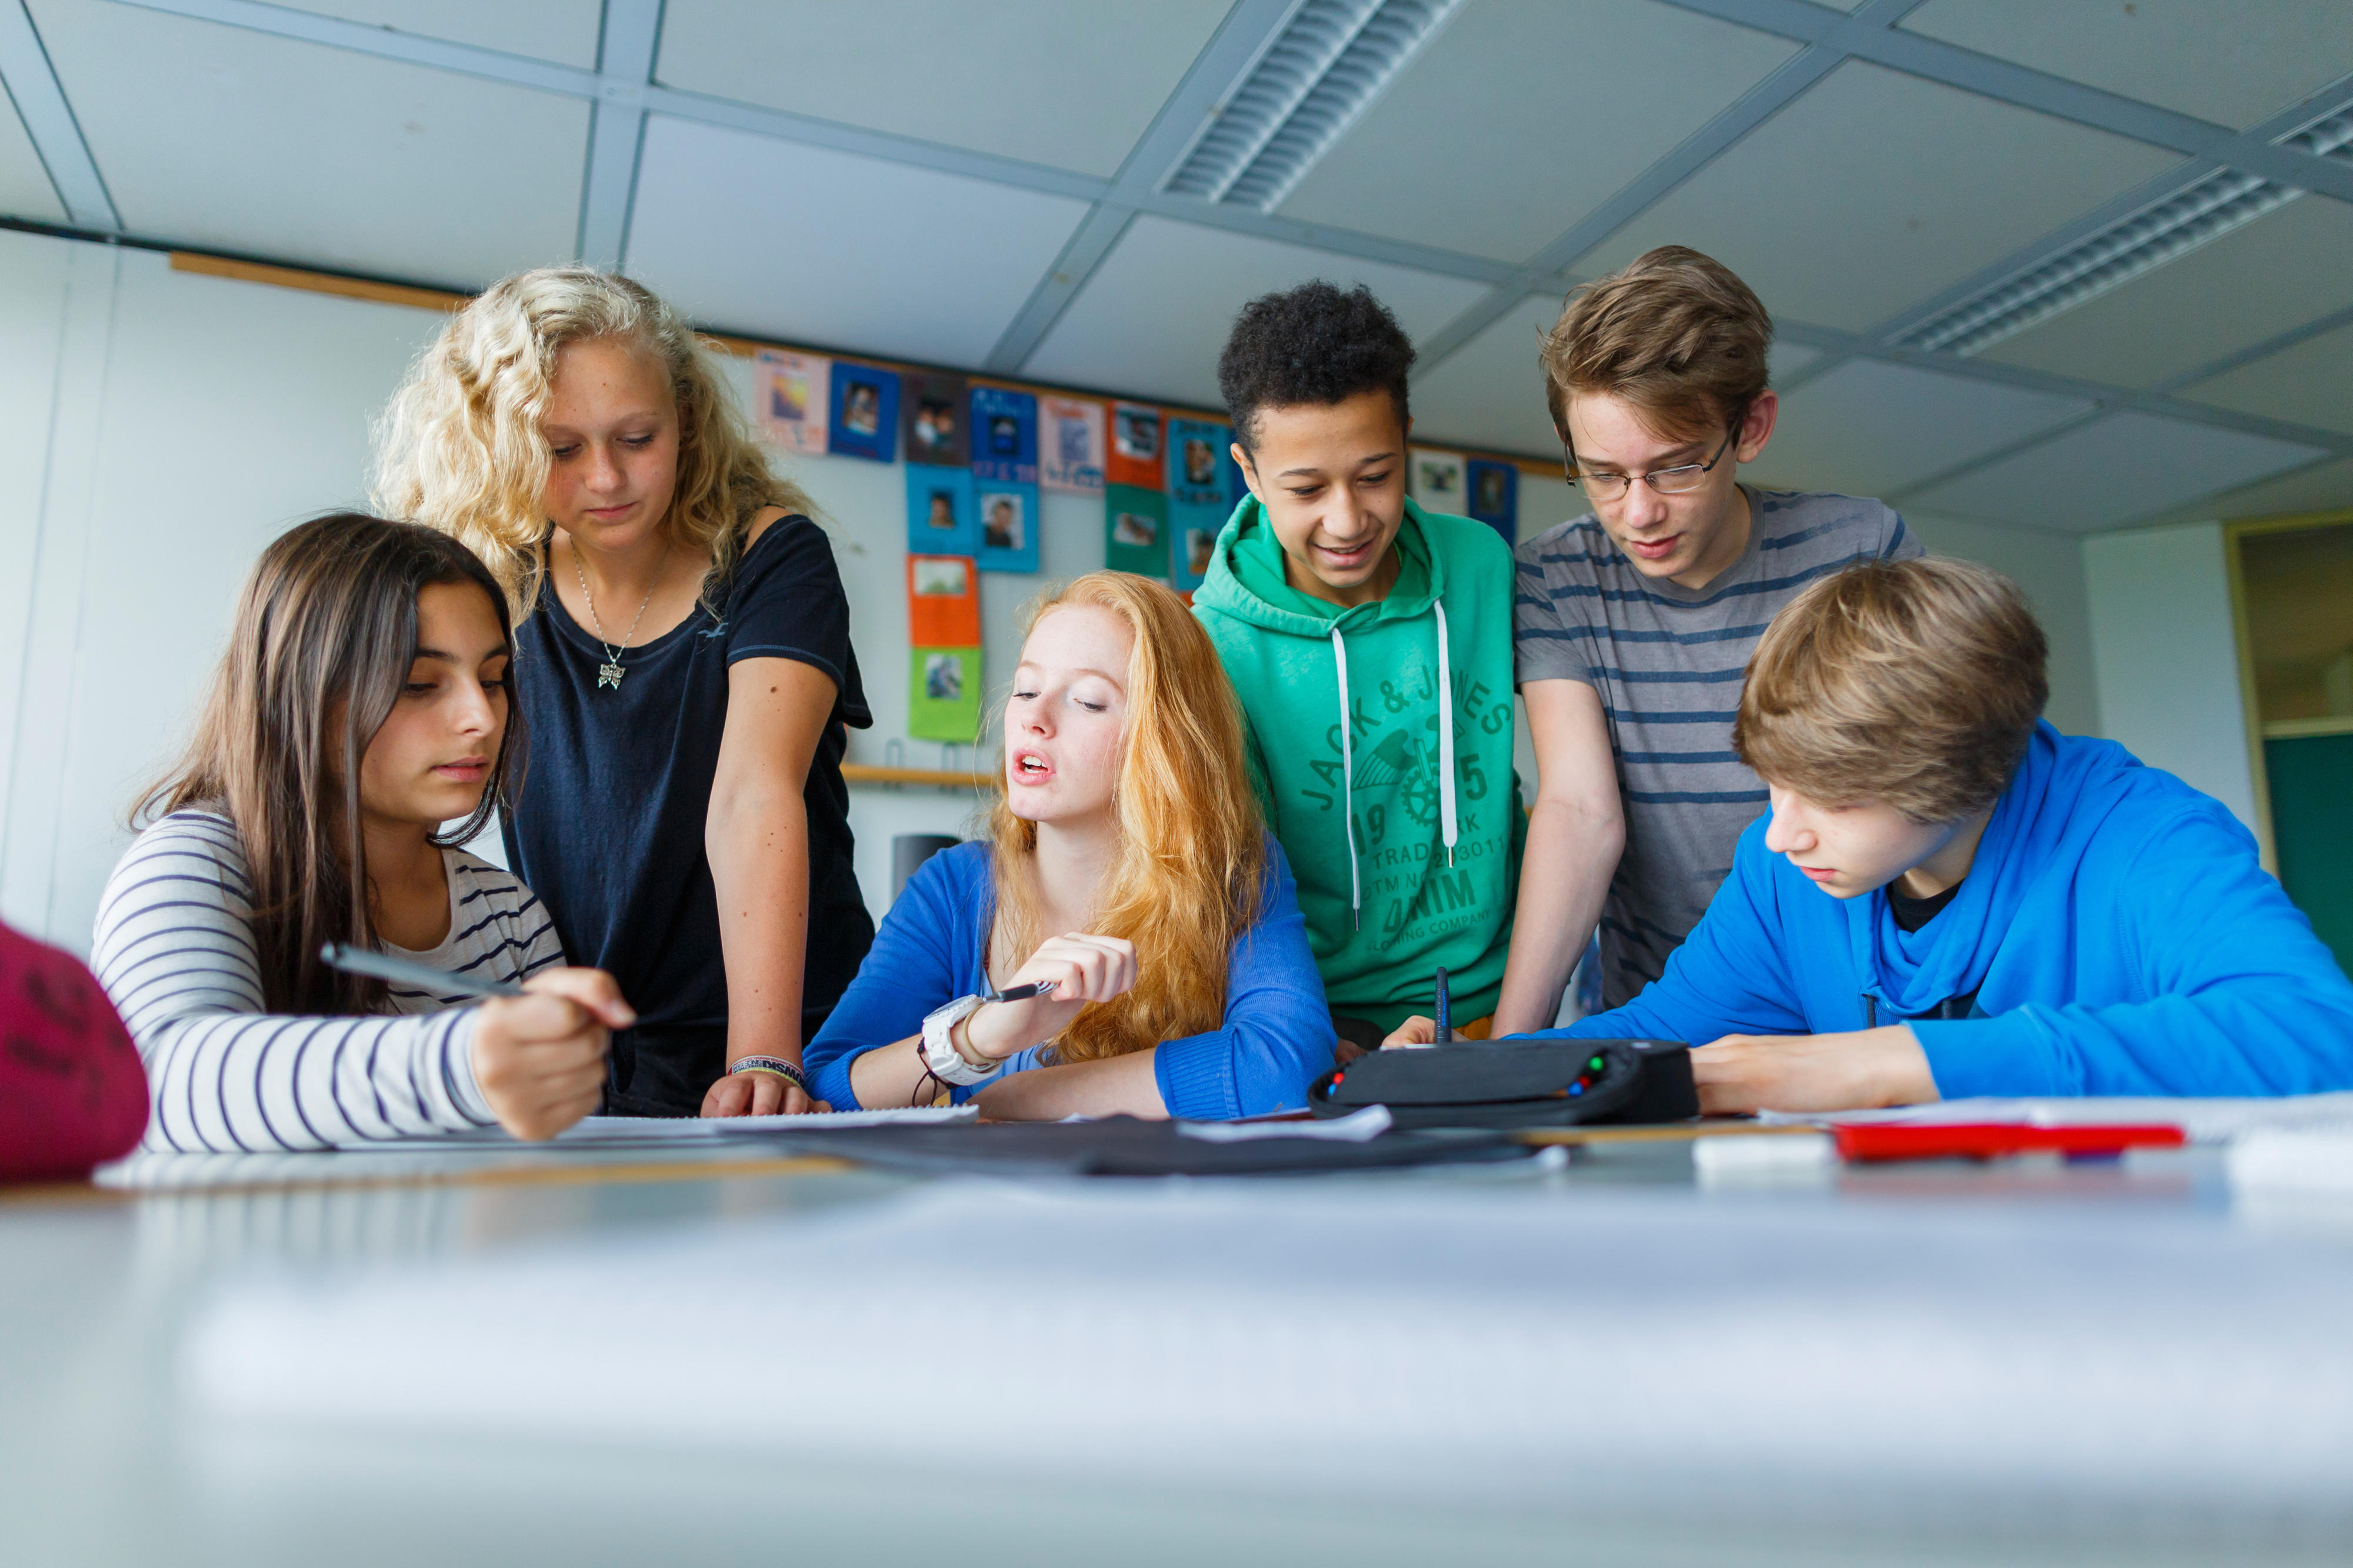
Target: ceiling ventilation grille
2203,211
1326,66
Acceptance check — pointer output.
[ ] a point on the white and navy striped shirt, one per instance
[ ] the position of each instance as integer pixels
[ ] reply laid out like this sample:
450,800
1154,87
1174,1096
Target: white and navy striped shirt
174,950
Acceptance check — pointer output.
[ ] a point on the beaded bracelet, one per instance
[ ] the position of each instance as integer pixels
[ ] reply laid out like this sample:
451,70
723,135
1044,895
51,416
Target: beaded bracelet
789,1071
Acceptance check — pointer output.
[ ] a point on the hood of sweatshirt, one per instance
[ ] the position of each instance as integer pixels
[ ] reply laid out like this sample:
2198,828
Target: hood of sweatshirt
2033,843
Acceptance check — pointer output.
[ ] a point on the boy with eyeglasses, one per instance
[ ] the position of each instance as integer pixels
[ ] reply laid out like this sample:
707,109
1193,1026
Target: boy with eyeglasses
1634,622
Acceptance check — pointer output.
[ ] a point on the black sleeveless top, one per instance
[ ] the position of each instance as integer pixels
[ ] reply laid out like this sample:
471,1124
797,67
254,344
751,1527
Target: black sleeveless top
607,827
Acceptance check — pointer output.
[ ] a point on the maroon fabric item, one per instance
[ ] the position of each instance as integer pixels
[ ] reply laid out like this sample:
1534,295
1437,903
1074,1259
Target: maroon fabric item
72,1090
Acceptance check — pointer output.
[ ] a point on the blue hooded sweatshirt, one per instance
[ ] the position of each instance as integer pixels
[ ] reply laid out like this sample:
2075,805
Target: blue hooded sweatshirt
2114,935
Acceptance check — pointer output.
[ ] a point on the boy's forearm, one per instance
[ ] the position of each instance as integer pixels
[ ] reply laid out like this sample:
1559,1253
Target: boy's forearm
1564,875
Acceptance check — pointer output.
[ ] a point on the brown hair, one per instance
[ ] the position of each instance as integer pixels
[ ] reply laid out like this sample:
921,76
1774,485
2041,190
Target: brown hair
458,447
1672,332
324,637
1914,683
1186,880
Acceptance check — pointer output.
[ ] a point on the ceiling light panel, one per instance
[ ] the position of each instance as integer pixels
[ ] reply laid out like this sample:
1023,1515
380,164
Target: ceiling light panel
1323,70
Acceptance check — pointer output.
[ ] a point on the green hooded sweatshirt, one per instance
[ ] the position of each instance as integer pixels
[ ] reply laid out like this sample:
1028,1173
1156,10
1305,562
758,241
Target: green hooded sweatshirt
1428,878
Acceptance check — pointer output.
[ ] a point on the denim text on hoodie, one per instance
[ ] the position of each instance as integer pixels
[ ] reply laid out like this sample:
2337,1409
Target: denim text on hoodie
1275,1037
1403,823
2114,935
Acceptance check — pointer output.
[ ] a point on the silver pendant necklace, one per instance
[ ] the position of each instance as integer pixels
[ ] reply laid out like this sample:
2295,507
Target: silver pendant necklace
609,673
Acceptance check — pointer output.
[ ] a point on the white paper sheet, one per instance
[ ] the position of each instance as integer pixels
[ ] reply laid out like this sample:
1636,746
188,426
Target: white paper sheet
2202,1121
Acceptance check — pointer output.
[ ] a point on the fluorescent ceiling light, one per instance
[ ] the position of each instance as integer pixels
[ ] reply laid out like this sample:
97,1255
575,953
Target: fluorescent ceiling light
1327,66
2200,212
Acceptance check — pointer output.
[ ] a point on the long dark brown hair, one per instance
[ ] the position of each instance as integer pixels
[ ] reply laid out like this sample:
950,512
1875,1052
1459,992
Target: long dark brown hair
325,635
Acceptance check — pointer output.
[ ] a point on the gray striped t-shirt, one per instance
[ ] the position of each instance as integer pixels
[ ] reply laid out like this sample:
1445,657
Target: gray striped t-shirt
1667,662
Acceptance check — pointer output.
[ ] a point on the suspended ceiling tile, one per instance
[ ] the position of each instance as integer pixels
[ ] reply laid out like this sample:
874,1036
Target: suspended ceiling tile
814,246
2113,471
1491,391
2234,64
2325,486
1523,115
2281,270
1874,190
2310,383
1156,314
561,30
1867,427
1069,83
221,137
25,188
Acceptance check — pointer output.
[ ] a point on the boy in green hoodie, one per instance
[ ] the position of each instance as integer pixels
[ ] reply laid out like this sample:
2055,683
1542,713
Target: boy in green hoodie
1370,642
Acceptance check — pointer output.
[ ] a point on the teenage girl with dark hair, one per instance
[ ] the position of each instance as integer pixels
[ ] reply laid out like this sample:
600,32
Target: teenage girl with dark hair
362,704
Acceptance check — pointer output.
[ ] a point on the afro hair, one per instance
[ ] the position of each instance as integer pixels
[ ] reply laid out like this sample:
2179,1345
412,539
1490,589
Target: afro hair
1312,344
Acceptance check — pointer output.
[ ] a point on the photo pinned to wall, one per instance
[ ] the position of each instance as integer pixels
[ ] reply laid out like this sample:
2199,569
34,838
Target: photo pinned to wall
932,418
943,601
942,514
1136,530
1438,482
1135,456
793,397
865,412
1008,527
1071,445
1197,496
1003,437
1494,496
944,687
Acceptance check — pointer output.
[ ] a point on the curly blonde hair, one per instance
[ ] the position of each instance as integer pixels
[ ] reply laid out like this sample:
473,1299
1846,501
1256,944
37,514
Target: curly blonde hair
458,447
1188,876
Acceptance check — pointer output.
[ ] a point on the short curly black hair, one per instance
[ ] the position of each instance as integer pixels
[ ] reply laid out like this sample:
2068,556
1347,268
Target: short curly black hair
1316,344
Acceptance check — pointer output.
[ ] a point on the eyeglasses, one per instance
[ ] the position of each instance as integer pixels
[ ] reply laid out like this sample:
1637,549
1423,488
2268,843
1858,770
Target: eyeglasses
1610,489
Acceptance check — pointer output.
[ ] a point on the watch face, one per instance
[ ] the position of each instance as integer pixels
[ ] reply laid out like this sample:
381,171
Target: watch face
962,1007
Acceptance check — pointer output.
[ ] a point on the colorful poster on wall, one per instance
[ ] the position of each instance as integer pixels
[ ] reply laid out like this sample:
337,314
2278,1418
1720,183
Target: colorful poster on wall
942,516
1135,456
1197,496
1008,526
943,601
1071,445
792,395
1136,530
1003,437
865,412
943,687
932,414
1494,496
1437,480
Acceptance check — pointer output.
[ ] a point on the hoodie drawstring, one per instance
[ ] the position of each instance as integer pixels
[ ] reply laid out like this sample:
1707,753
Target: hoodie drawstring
1347,782
1445,736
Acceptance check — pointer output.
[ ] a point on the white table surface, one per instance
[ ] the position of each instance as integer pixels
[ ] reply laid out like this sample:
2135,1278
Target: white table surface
367,1359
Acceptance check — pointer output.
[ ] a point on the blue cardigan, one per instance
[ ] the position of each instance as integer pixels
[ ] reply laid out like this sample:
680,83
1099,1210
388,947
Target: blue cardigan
2115,930
1276,1040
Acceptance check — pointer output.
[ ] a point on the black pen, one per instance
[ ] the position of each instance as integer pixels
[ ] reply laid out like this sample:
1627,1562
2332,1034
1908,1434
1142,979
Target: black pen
403,971
1445,1003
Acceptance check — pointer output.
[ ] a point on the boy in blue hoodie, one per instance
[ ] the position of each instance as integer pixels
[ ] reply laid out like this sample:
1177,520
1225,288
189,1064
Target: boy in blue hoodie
2009,912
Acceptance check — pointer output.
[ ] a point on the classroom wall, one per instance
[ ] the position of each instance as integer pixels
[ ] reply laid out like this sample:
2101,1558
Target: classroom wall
2165,653
158,427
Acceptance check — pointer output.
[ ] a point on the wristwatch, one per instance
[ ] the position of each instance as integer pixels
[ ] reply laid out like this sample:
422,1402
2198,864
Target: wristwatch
947,1062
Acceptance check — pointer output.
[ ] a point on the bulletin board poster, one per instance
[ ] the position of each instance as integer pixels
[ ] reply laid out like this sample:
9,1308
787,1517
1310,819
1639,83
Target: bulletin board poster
1071,445
1008,525
943,687
1438,480
1135,458
1136,530
943,512
793,395
932,414
865,412
1003,437
1494,496
943,601
1197,496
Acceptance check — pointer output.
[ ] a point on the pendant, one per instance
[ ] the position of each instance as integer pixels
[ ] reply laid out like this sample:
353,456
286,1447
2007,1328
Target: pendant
610,675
